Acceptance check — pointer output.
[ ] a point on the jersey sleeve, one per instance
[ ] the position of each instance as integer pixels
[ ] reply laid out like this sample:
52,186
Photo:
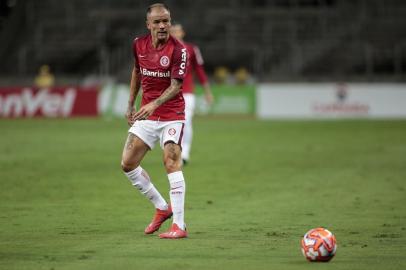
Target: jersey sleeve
179,59
136,65
198,66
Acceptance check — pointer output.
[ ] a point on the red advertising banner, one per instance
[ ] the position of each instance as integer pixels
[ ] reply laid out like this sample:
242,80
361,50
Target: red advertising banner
53,102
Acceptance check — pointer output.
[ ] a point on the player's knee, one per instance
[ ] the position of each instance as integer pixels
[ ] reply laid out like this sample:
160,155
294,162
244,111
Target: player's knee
172,165
128,166
172,157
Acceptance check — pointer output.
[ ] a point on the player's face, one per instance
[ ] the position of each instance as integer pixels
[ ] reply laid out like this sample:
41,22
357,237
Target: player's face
158,23
177,31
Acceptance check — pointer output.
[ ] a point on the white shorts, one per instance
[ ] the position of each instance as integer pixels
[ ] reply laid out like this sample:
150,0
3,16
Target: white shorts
151,131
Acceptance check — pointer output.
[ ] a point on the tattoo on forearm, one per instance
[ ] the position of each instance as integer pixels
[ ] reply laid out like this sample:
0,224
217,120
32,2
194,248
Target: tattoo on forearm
170,92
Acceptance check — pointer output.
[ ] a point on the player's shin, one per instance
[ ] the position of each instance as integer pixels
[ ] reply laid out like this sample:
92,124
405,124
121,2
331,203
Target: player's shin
140,180
177,195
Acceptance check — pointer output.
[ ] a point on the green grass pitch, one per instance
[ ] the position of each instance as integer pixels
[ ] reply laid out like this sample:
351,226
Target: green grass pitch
253,189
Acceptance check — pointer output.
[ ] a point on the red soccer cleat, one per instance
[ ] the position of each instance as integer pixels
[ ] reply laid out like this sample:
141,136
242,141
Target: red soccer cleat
174,233
159,218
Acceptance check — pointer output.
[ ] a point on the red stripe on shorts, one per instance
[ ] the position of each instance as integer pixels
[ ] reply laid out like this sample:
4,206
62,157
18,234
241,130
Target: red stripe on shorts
181,135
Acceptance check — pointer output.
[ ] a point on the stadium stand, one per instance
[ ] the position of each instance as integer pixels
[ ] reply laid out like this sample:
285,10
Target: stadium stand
276,40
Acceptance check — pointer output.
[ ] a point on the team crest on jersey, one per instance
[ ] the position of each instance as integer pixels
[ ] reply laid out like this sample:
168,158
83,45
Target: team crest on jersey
164,61
172,131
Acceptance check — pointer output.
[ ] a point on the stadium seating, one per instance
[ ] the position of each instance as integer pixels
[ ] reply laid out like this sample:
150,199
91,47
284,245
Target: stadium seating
274,39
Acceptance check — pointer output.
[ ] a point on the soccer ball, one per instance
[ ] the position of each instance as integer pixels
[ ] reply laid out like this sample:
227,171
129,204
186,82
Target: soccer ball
319,245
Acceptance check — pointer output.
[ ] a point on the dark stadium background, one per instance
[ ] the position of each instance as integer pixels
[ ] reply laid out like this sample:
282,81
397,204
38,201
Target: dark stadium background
276,40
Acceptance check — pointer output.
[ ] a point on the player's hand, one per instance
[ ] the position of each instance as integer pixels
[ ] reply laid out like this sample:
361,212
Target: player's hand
145,111
209,98
130,115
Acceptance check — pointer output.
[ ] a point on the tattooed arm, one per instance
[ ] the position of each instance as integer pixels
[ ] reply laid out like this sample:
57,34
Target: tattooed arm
146,110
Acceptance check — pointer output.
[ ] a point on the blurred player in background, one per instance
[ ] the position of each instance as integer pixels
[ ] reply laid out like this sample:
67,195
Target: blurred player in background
160,67
195,65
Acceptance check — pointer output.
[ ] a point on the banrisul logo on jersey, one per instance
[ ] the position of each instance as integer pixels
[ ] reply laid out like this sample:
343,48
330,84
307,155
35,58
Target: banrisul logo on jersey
164,61
158,74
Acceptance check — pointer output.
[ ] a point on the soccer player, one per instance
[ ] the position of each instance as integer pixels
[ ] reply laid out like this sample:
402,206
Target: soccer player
160,67
195,65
